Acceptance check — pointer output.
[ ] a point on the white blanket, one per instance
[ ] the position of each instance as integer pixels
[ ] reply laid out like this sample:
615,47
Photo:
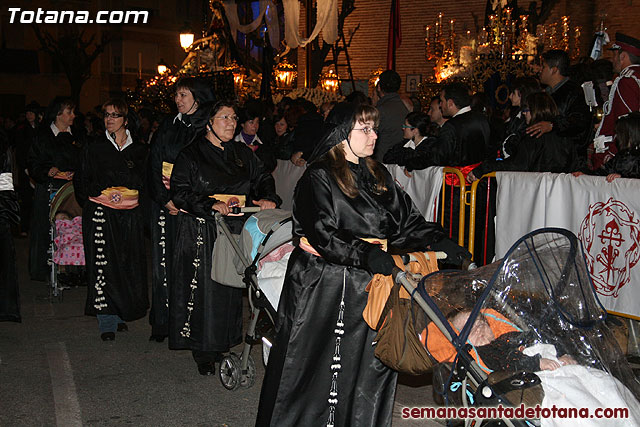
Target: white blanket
576,386
271,279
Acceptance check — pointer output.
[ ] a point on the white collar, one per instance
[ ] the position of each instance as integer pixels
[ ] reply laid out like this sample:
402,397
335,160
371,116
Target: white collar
239,138
463,110
179,117
126,144
56,131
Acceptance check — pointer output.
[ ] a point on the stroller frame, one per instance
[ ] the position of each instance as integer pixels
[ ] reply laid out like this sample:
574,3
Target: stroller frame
464,365
55,289
240,370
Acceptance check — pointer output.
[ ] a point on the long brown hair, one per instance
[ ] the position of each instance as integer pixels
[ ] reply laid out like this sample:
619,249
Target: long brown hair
339,164
541,106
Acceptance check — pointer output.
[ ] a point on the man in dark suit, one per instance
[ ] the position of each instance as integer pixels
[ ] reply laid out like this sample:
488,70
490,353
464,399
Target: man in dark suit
574,118
465,138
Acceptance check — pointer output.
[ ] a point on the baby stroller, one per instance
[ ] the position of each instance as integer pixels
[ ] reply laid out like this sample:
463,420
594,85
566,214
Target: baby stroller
490,332
258,258
62,201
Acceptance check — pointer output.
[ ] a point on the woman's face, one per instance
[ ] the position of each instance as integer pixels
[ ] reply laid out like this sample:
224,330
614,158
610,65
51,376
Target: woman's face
515,98
113,120
281,127
527,115
408,131
224,122
250,127
64,120
363,141
185,102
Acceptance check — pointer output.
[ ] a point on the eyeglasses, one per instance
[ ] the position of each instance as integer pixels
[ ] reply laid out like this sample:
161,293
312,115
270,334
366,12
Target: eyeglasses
525,110
408,127
113,115
228,117
367,130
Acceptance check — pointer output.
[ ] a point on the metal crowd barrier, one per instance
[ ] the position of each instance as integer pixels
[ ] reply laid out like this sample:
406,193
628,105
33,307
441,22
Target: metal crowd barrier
455,188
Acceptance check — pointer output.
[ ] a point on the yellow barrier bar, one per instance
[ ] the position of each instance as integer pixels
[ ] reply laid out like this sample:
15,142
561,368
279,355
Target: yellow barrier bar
461,213
472,212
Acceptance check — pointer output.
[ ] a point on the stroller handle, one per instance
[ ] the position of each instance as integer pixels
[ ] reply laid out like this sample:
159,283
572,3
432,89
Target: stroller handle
250,209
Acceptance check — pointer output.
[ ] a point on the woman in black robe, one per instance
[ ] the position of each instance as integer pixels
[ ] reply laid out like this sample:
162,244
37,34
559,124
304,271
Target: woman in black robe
174,134
322,369
53,158
9,214
205,316
108,187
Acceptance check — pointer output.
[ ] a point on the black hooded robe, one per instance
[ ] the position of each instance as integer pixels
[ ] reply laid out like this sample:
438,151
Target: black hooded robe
64,152
9,214
203,314
298,380
173,135
118,234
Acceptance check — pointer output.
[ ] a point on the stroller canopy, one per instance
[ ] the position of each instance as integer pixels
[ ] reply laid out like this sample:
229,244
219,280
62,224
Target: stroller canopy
541,287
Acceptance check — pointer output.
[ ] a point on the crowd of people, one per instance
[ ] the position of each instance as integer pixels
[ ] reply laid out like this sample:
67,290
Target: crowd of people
137,173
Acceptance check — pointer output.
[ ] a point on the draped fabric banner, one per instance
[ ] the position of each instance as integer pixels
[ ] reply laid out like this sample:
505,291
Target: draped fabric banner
267,9
326,21
394,37
605,217
286,177
424,187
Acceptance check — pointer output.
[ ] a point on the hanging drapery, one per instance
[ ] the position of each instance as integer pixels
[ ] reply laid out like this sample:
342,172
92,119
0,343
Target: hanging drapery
395,34
267,9
326,21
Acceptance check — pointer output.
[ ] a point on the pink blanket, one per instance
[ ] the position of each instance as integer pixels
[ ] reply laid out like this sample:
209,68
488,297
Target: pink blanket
68,240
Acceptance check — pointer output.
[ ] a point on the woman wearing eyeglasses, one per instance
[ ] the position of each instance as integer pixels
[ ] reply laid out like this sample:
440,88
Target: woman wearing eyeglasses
108,187
173,135
210,175
322,369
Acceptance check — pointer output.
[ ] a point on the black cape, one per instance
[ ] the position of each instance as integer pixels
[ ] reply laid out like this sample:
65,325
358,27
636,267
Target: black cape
63,151
171,137
120,235
299,377
9,214
202,170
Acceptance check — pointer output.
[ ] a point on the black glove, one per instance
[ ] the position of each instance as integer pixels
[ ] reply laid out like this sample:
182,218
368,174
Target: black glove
380,262
455,254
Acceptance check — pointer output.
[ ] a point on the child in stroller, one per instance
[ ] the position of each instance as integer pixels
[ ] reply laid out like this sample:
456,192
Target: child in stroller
66,250
541,289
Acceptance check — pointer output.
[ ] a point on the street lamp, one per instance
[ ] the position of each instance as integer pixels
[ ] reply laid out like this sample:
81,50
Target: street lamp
329,81
285,74
162,68
186,37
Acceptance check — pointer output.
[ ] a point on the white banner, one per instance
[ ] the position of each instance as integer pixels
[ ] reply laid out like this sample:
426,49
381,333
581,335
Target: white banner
424,187
605,217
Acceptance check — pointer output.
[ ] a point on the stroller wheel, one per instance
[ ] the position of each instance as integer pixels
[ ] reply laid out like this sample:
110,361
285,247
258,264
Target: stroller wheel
230,371
247,380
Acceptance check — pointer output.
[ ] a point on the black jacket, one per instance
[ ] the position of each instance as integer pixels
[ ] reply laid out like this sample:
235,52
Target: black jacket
463,140
574,118
625,163
549,153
